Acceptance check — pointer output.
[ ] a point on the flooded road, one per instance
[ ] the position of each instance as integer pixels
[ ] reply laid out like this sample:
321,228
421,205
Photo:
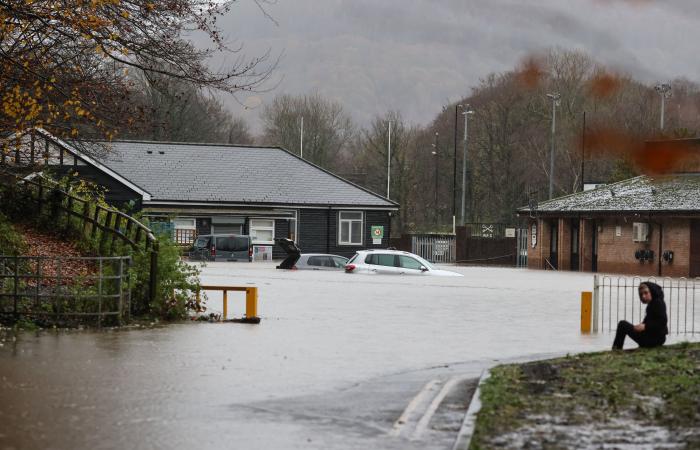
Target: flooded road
333,364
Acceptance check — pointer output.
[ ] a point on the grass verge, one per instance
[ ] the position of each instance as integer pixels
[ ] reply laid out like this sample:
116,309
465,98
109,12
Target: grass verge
642,397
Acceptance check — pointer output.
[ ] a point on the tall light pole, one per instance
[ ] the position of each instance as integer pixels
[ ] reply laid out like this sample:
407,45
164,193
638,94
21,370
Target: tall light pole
555,102
301,139
388,164
664,90
466,115
437,156
454,166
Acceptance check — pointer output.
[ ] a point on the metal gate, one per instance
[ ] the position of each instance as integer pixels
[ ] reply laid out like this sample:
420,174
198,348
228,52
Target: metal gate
615,298
434,247
522,237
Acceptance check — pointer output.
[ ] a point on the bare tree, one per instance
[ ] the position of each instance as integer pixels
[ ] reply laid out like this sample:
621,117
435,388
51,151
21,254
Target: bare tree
328,129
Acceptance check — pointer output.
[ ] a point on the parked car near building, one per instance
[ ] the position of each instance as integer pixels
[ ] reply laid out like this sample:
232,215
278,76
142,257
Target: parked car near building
393,262
308,261
222,247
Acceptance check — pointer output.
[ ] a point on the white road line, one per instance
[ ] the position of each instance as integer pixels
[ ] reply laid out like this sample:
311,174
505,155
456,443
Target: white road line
425,420
417,400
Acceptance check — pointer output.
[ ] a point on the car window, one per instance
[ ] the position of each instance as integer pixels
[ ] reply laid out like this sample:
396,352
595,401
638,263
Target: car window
232,243
317,261
370,259
224,244
339,261
202,242
409,263
385,260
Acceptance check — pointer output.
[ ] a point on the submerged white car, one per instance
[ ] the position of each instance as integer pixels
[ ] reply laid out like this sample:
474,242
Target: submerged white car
393,262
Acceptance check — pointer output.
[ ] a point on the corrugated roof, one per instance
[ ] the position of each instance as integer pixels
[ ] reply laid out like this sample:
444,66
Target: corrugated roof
235,174
639,194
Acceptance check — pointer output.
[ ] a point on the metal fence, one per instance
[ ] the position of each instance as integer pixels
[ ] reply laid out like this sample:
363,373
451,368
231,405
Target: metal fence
65,288
437,248
616,298
522,238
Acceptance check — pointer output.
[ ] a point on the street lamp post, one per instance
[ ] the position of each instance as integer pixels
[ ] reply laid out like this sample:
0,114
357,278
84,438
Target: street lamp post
454,166
388,164
437,157
301,138
555,102
664,90
466,115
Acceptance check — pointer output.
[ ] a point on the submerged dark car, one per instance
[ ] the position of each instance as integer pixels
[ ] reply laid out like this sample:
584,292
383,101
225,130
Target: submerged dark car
308,261
222,247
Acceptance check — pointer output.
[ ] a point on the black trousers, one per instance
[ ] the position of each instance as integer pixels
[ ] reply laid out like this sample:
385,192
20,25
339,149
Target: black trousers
644,339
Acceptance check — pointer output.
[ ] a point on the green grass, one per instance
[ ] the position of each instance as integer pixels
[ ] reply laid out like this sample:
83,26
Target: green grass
653,386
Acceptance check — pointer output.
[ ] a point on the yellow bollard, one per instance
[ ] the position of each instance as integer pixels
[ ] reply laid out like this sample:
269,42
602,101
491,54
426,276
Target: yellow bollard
586,311
225,303
251,303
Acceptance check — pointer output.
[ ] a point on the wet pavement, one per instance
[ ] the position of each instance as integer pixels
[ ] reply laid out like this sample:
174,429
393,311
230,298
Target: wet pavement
336,362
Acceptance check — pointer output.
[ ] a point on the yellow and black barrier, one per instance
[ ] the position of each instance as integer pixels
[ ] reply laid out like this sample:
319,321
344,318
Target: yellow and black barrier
586,311
251,301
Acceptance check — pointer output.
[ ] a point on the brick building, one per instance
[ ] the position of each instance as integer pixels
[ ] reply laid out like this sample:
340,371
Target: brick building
644,226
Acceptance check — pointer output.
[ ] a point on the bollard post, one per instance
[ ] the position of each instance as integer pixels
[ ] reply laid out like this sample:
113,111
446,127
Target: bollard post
225,303
198,299
251,303
586,311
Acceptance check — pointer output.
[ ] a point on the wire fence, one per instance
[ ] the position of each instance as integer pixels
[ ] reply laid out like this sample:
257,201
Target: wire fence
616,298
65,288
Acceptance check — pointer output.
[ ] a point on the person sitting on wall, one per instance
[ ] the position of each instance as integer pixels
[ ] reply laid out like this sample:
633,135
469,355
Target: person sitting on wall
653,329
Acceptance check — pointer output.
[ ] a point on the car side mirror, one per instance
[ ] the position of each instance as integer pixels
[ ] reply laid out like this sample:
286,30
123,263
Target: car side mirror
423,269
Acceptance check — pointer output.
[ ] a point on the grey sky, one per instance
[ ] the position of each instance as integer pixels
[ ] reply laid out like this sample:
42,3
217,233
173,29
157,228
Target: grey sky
416,55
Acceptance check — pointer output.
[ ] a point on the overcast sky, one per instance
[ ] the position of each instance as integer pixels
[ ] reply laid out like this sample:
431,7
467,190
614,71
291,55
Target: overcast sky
417,55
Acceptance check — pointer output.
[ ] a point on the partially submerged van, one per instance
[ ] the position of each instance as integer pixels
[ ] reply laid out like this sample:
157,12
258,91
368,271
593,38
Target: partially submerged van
222,247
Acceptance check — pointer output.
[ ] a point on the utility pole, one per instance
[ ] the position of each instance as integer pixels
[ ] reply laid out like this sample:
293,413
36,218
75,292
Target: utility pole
454,166
664,90
437,157
583,149
555,102
388,164
463,215
301,139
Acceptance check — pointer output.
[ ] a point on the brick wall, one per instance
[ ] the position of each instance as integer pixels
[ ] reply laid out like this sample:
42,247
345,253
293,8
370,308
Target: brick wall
616,254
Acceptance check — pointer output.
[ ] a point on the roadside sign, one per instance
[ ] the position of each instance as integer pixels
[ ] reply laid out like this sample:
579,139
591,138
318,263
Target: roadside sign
377,234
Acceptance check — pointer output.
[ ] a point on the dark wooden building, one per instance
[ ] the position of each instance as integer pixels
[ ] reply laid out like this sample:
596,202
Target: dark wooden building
266,192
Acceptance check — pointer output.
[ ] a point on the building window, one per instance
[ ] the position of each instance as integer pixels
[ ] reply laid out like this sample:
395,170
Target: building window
350,227
184,230
262,231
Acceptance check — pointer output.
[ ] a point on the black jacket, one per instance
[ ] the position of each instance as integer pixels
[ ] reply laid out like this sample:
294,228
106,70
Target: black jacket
656,320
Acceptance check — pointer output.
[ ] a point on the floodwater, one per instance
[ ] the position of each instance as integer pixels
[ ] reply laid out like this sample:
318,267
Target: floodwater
334,362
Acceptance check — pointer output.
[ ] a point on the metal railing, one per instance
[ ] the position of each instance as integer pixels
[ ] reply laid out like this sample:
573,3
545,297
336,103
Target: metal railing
101,223
616,298
51,287
522,237
437,248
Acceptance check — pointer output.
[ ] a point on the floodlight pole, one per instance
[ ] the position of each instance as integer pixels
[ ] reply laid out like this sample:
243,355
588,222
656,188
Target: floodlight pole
301,139
664,90
463,215
388,164
555,100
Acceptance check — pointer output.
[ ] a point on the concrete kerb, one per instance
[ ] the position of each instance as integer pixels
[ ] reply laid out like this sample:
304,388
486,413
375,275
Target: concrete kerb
466,431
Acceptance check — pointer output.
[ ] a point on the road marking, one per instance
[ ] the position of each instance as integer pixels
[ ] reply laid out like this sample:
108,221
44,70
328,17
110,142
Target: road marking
417,400
425,420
